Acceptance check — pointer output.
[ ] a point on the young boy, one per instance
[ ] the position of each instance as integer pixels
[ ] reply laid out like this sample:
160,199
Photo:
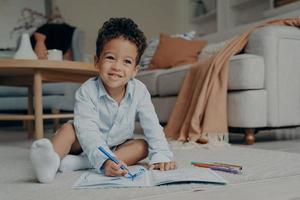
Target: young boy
105,111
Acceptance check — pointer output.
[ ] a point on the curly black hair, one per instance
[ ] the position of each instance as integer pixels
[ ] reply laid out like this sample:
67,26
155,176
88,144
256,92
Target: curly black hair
121,27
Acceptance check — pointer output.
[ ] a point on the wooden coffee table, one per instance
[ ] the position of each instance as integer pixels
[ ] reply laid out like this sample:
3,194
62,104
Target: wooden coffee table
31,74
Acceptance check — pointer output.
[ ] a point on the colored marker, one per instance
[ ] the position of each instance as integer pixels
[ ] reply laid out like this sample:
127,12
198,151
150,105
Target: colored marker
216,167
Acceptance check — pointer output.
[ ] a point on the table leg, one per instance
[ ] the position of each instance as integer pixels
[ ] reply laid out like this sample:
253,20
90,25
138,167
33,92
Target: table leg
38,106
30,112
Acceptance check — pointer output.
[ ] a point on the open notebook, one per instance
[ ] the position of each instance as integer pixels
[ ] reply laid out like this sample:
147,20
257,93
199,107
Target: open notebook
146,178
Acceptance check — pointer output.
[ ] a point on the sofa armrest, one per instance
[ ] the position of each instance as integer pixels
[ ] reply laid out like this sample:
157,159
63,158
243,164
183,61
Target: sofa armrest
280,47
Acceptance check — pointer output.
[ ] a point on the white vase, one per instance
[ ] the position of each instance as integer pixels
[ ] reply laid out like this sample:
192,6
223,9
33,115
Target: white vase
25,50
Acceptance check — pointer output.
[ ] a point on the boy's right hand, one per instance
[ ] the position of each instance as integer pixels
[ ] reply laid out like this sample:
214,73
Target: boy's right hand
113,169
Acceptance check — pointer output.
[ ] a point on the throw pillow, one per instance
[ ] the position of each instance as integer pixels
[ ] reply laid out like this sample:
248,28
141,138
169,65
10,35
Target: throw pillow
175,51
152,45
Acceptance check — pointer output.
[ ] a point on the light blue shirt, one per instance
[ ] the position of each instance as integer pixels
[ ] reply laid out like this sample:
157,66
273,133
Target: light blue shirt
100,121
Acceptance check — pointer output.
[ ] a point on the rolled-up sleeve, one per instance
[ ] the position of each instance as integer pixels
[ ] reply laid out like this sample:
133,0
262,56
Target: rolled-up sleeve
159,150
86,123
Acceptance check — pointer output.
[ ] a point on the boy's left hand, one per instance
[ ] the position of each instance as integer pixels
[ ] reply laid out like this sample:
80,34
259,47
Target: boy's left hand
164,166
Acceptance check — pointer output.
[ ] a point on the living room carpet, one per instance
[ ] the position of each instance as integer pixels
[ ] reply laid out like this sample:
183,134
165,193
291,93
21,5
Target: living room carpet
17,180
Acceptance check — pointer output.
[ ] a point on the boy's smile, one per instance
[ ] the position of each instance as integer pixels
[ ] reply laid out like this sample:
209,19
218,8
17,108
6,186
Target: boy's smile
117,64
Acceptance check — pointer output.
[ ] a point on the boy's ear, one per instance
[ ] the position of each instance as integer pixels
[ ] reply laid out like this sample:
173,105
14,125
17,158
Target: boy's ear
136,70
96,59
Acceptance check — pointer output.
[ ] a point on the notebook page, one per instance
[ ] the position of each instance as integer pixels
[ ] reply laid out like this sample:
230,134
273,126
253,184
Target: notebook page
91,179
186,175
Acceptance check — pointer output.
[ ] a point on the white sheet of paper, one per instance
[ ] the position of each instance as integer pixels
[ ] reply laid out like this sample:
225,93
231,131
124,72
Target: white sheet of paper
195,175
93,179
149,178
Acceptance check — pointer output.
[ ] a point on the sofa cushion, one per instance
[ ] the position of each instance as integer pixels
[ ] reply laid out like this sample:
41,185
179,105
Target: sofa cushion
12,91
60,88
175,51
55,95
150,79
245,108
48,89
163,107
20,103
169,82
246,71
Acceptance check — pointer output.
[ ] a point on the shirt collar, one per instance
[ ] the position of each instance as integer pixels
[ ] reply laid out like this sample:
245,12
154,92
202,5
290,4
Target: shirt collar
129,88
103,92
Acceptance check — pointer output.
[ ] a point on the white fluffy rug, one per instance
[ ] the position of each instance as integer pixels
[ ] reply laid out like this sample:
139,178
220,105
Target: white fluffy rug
17,180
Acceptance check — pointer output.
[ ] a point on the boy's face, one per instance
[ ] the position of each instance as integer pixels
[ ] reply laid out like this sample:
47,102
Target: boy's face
117,64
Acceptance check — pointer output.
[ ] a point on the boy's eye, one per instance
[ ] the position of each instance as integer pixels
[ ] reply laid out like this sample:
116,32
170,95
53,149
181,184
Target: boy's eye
110,57
129,62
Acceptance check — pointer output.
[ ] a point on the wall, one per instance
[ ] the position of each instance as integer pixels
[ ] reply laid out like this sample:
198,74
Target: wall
227,34
153,16
10,16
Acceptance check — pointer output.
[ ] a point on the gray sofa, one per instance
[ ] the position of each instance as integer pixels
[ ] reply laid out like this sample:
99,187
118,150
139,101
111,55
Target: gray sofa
264,82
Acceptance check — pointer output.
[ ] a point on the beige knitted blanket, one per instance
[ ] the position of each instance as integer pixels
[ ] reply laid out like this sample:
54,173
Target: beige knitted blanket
200,112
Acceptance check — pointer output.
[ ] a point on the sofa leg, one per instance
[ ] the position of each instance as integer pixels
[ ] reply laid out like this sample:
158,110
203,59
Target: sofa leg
249,136
56,124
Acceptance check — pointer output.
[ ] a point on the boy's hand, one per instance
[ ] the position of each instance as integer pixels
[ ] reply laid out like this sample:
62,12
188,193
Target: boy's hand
164,166
113,169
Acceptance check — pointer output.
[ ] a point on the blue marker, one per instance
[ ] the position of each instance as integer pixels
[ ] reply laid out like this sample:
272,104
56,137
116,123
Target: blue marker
115,160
